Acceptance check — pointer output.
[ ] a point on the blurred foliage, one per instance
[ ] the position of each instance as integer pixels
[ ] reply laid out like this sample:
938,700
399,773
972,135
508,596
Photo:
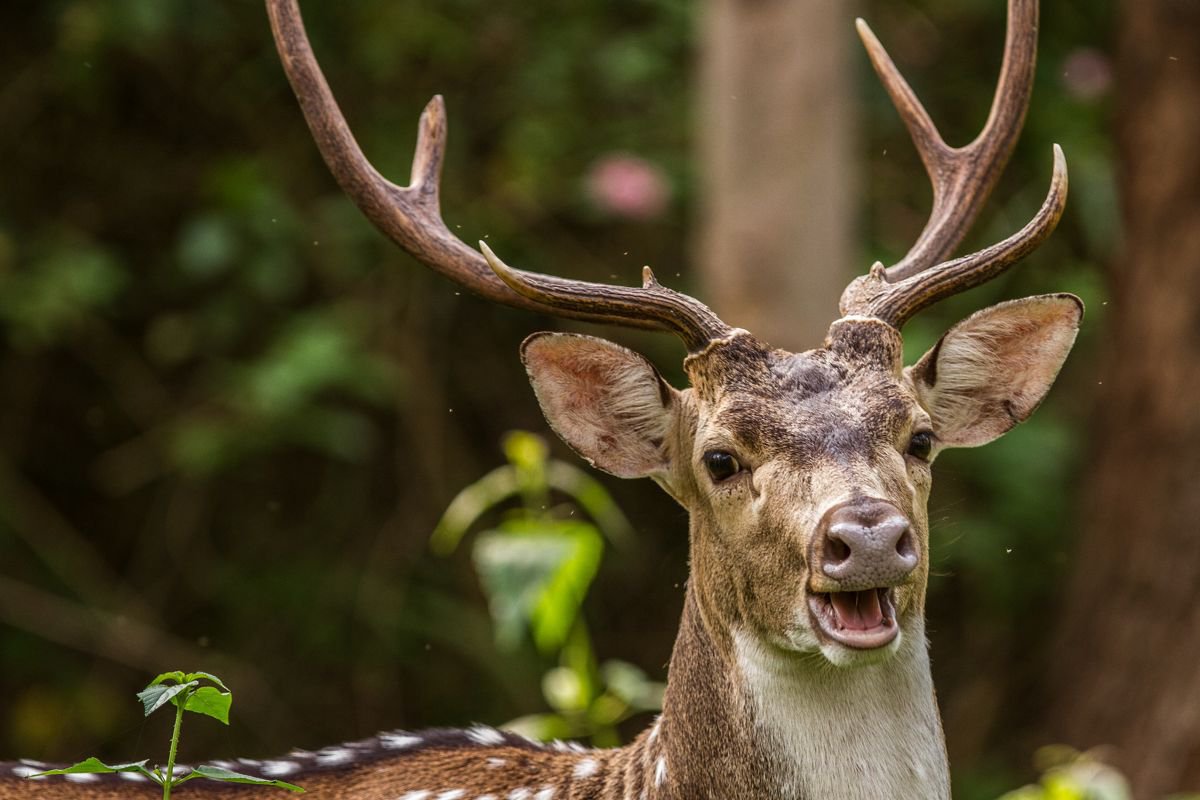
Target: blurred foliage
1067,774
536,566
232,413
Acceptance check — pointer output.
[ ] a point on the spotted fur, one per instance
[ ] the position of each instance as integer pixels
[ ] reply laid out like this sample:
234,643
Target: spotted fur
478,763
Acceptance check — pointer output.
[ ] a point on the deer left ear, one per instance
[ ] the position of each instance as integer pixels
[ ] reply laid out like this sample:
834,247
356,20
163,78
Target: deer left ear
992,370
608,403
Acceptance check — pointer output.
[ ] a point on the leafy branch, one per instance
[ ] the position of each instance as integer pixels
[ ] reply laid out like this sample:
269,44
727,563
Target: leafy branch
536,566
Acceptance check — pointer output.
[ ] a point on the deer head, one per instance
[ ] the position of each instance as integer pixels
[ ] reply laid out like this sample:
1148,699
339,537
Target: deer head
806,474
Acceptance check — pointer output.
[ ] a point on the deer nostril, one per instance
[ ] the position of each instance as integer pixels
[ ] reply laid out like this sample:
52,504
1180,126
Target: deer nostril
905,547
836,550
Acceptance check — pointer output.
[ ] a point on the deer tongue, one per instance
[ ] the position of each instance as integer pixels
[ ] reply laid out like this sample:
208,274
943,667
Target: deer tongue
857,611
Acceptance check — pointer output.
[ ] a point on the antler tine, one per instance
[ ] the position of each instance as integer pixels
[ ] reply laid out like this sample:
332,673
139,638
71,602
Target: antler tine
873,295
693,321
962,177
411,216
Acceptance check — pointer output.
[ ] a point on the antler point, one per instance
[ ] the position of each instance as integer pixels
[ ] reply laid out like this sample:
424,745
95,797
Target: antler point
869,39
648,279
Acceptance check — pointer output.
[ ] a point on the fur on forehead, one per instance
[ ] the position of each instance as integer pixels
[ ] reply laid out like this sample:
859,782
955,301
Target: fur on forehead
742,363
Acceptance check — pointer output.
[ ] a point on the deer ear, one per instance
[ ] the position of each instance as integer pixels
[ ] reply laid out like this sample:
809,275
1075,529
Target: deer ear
608,403
991,370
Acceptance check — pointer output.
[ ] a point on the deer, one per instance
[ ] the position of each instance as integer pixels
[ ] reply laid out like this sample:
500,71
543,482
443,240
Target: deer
801,667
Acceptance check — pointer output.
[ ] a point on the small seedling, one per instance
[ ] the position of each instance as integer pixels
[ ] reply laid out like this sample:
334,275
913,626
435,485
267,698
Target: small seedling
200,692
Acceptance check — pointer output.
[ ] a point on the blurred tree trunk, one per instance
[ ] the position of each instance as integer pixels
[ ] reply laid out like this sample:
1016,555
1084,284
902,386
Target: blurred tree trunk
1128,657
776,138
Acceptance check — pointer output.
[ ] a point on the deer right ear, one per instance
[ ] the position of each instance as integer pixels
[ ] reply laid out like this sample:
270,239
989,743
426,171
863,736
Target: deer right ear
991,370
608,403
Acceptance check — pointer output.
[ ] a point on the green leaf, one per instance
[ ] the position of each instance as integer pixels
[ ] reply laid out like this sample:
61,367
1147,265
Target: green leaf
207,676
535,574
564,691
542,727
207,246
630,683
210,701
227,776
470,504
95,766
177,676
155,696
595,501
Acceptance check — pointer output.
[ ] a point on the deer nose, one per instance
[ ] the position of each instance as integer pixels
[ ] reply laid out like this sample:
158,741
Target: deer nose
867,544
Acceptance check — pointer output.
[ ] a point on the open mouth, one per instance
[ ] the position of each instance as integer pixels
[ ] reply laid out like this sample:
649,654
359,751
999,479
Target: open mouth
863,620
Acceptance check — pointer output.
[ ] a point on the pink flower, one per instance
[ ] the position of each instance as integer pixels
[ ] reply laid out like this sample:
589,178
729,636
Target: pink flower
628,186
1087,73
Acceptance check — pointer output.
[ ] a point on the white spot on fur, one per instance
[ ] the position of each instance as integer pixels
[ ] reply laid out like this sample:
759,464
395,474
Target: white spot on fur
482,734
398,740
453,794
277,768
253,762
29,762
334,755
420,794
660,771
654,731
496,762
223,764
487,797
520,793
81,777
25,772
545,794
586,768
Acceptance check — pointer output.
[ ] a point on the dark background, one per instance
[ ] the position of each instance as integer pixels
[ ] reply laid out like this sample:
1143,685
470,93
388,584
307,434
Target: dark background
232,413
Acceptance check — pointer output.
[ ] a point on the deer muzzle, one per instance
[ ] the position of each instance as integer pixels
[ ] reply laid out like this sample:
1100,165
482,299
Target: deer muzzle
864,544
861,551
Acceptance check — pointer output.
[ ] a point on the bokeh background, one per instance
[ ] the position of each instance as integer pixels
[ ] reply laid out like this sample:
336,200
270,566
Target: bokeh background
232,414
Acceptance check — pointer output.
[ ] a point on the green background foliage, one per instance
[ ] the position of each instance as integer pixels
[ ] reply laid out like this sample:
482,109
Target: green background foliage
232,414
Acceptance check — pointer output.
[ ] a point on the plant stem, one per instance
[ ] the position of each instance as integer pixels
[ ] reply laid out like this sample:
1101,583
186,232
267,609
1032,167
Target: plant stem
182,701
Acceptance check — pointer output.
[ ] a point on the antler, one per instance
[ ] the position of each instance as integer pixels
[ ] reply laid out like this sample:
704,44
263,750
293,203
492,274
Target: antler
411,215
962,178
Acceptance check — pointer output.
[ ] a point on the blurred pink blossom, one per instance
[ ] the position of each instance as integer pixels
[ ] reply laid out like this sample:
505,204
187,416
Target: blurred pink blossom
1087,73
628,186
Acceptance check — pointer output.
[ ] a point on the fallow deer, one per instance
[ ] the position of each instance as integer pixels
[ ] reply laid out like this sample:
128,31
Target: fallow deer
801,667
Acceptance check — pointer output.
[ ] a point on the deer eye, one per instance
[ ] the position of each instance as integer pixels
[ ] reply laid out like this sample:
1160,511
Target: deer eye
721,465
921,445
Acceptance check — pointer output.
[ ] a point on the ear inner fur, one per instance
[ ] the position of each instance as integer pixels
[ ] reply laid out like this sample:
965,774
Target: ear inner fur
605,401
991,371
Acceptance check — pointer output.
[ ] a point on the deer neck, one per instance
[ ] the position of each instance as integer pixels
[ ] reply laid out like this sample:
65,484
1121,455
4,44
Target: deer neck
743,719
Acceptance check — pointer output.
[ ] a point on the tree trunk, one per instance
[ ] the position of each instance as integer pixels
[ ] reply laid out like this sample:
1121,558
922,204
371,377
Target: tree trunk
1128,651
777,151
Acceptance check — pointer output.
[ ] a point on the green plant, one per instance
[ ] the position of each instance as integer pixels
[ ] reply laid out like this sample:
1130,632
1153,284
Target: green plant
535,567
1068,774
187,693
